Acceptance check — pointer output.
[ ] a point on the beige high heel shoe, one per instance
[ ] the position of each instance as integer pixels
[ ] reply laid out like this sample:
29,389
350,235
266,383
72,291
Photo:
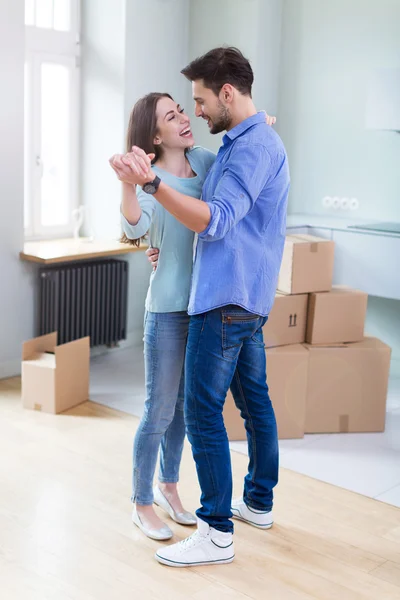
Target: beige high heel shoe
183,518
164,533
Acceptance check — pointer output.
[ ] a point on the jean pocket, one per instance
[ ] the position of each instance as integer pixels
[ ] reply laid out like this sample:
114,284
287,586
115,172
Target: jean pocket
237,326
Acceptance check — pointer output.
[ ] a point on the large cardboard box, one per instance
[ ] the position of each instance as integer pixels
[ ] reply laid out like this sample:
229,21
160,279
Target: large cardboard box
336,316
55,378
287,321
287,368
347,387
307,265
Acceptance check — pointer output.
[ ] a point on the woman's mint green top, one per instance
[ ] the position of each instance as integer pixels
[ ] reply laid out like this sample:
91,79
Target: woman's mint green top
170,284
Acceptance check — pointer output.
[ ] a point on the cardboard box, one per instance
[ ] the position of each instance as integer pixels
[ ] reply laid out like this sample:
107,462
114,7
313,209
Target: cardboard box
55,378
287,369
347,387
287,321
336,316
307,265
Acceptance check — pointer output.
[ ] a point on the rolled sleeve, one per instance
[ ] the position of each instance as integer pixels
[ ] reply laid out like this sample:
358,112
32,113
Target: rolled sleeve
247,171
148,205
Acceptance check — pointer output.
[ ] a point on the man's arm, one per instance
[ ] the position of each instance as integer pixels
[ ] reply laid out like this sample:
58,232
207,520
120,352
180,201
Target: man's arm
245,175
194,214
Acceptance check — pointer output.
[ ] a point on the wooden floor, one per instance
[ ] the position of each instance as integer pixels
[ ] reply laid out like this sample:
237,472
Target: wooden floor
65,529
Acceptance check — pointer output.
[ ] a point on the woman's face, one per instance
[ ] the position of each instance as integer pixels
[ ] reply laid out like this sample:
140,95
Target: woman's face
173,126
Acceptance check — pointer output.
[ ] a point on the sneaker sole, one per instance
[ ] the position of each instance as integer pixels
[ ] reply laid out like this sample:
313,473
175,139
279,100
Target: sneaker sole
172,563
252,523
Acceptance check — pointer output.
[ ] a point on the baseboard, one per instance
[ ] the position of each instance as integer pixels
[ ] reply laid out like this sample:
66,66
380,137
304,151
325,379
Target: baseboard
133,340
10,368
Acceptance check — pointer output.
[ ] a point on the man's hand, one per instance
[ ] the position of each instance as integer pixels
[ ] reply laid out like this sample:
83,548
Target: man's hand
152,255
133,168
270,120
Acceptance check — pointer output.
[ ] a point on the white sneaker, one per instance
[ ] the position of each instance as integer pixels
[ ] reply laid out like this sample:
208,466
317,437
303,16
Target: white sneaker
164,533
207,546
257,518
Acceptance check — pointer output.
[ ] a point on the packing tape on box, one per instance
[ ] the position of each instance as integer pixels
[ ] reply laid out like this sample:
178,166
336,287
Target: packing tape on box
344,423
314,247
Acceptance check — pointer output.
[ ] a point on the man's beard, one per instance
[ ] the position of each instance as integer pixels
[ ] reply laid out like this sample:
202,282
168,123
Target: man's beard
222,121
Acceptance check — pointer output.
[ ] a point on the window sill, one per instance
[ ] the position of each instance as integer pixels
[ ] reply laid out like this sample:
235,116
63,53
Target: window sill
67,250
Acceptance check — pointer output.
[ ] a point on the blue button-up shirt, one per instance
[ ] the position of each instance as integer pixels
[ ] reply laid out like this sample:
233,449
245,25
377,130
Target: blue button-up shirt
238,255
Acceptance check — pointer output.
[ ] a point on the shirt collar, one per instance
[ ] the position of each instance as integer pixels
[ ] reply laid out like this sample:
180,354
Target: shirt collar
244,125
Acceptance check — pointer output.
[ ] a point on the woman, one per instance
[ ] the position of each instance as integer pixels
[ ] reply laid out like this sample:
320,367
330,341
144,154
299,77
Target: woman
159,126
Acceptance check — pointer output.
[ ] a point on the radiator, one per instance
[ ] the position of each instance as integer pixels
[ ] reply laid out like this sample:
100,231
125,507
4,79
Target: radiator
84,299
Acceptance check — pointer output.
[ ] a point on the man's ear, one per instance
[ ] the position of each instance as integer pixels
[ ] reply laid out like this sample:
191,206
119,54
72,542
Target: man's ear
227,93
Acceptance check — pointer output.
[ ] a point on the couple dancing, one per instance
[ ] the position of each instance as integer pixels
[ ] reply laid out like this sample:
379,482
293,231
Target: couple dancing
204,317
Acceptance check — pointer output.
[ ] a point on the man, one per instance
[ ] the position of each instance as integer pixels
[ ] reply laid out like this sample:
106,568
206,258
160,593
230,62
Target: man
241,223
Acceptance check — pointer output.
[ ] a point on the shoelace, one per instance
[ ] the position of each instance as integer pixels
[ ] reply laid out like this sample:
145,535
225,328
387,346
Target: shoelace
191,541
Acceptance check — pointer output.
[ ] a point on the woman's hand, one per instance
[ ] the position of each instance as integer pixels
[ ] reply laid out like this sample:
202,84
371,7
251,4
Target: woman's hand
270,120
152,255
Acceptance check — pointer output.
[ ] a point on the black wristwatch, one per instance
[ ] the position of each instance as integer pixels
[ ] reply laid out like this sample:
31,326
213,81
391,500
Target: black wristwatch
152,186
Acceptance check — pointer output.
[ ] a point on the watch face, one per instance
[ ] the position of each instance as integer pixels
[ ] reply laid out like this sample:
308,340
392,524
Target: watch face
149,188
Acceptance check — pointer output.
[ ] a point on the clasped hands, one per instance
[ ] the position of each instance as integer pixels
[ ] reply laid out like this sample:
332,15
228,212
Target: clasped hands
133,167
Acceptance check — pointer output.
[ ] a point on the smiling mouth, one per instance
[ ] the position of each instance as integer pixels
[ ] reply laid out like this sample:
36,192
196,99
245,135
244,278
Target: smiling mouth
186,132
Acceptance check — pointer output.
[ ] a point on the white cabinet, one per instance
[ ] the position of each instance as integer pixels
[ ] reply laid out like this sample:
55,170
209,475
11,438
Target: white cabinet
368,262
295,230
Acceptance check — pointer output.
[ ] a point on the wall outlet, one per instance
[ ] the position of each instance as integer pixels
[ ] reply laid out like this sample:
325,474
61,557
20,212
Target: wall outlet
338,203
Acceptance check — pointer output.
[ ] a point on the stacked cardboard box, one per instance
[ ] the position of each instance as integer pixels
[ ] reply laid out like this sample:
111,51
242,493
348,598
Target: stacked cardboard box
323,375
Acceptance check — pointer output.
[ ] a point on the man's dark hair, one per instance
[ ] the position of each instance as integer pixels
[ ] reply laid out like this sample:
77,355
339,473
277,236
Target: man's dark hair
220,66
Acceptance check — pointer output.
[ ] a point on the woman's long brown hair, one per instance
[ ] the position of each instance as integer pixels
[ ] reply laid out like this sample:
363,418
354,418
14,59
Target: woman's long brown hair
142,130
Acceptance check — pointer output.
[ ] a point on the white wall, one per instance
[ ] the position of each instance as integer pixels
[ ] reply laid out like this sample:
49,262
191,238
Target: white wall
254,26
130,48
102,119
156,49
328,52
17,290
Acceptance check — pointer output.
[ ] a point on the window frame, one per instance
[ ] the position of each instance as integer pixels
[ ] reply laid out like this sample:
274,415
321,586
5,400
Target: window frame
59,47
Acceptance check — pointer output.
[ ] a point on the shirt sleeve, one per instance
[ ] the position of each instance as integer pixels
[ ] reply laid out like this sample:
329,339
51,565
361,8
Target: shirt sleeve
148,205
247,171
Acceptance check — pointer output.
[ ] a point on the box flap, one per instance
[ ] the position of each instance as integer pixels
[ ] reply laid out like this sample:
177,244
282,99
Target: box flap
367,342
345,289
64,351
72,373
44,343
371,342
292,349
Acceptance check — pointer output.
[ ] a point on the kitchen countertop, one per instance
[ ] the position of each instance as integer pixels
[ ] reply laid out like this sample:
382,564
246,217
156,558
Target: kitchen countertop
336,223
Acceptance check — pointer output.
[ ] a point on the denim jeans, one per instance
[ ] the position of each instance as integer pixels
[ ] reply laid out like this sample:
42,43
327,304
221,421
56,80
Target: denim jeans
226,349
162,426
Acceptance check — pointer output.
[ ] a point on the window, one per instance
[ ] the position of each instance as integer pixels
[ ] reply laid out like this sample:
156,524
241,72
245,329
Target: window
51,116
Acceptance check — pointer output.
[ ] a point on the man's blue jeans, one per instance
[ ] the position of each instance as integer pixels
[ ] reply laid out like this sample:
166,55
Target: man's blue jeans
225,350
